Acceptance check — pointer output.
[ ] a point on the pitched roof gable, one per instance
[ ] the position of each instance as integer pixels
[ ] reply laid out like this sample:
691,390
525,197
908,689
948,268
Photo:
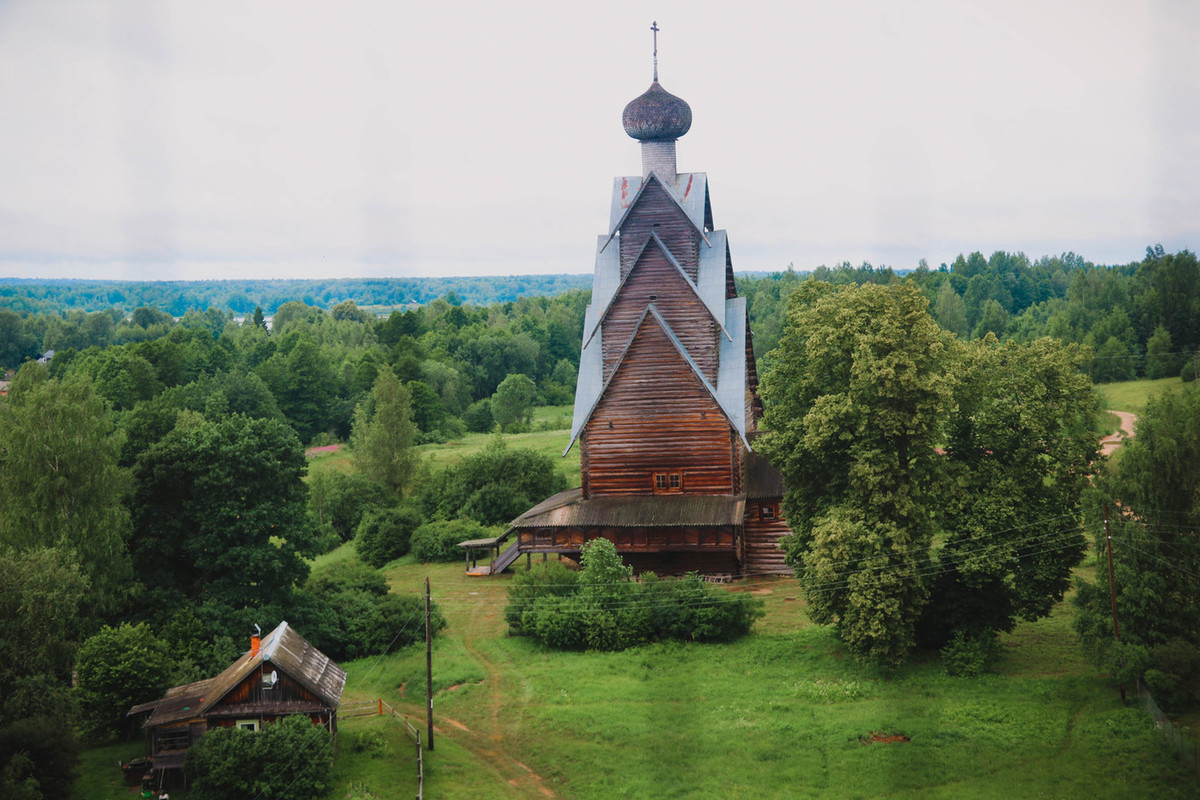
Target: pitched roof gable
731,413
283,647
612,298
653,176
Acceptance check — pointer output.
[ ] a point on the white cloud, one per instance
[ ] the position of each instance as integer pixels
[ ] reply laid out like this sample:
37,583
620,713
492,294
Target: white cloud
220,139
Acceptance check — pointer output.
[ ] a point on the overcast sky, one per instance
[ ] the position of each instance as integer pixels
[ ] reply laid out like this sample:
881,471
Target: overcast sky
148,139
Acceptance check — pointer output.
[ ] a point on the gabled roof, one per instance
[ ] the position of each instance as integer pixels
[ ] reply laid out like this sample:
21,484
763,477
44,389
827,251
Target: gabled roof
715,312
735,417
696,213
282,647
569,509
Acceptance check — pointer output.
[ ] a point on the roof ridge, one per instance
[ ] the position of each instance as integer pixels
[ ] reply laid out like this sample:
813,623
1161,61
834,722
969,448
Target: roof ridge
674,340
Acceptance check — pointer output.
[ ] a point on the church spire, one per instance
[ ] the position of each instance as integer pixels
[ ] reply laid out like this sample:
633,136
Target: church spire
654,27
657,118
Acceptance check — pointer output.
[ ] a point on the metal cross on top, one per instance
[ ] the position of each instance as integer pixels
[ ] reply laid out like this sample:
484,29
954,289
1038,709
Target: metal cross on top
654,27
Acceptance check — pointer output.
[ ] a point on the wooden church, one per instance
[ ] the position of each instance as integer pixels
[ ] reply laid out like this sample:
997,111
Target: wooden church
666,405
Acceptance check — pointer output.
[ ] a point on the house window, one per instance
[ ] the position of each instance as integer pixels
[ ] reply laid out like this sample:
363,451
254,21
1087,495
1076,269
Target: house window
246,724
668,482
766,512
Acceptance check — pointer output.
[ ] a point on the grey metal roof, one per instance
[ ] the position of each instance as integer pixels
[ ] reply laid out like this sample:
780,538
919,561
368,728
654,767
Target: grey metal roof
569,509
761,478
282,647
731,366
590,381
715,308
689,191
710,276
736,417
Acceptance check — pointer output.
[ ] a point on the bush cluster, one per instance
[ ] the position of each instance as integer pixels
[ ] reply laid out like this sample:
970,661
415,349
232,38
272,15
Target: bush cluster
351,614
290,759
385,534
970,656
602,608
438,541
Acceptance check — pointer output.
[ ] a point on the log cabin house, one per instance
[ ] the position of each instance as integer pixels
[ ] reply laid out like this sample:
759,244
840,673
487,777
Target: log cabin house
281,674
666,404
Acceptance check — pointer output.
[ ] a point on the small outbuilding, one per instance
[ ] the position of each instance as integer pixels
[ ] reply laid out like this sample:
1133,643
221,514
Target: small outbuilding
280,675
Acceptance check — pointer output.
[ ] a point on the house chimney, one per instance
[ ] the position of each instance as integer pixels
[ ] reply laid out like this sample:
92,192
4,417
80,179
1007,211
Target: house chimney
255,641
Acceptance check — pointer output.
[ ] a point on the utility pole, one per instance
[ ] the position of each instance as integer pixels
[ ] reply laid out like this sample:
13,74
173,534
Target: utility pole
1112,587
429,672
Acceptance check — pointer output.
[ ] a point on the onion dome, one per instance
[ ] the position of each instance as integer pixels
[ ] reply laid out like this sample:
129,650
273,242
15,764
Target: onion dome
657,114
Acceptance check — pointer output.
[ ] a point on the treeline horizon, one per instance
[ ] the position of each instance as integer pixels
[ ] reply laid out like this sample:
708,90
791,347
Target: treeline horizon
1139,319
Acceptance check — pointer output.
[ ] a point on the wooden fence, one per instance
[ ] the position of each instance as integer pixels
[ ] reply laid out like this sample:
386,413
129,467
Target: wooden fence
380,708
1187,749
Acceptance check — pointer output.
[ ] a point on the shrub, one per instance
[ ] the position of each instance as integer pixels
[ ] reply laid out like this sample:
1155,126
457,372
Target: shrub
600,608
1174,675
494,485
385,535
438,541
970,656
286,760
478,416
343,575
340,501
1188,372
118,668
550,579
348,612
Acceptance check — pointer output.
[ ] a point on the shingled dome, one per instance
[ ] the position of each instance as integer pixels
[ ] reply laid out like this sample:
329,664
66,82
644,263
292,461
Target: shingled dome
657,114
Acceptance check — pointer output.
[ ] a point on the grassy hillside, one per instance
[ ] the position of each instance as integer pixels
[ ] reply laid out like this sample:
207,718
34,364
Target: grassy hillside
782,713
1131,396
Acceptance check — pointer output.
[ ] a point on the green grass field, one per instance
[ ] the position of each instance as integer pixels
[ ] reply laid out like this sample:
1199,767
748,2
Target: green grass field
1131,396
552,440
784,712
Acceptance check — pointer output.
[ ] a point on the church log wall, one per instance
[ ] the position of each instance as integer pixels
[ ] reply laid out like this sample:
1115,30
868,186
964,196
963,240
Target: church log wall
655,277
656,417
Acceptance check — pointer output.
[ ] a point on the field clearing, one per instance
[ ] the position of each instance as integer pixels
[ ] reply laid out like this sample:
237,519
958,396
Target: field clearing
1131,396
782,713
436,457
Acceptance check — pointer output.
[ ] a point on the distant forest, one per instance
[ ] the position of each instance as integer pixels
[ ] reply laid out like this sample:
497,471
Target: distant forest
29,295
1139,320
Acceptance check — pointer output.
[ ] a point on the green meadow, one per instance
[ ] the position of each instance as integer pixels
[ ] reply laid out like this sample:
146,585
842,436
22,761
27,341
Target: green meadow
782,713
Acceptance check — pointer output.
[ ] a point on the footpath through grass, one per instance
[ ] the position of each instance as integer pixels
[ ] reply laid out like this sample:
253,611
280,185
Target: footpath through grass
782,713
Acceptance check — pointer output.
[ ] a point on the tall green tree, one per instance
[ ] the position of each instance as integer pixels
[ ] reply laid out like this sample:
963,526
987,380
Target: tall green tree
512,404
855,403
1161,362
60,483
950,310
382,435
1153,492
220,513
1019,445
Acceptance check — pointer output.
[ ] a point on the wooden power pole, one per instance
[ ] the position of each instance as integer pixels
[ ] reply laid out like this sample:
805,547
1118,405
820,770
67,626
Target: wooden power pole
429,673
1112,588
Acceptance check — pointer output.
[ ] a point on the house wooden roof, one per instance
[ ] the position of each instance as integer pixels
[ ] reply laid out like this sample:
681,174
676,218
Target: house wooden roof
282,648
569,509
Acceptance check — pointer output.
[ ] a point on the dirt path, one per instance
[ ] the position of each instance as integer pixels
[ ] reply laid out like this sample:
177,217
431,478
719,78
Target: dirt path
487,744
1110,443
